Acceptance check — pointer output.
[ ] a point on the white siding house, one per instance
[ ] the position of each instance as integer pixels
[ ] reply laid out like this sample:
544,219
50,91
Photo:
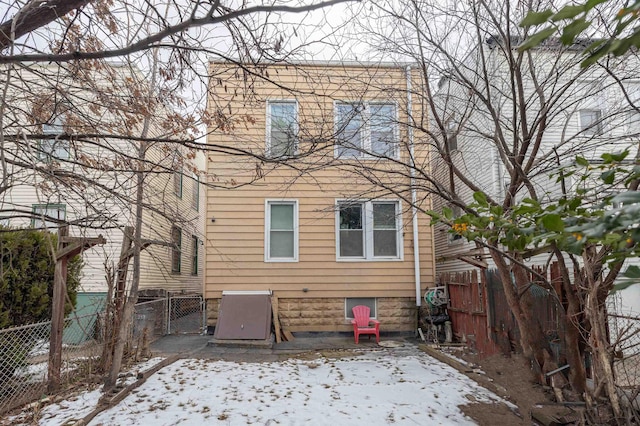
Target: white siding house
84,176
586,112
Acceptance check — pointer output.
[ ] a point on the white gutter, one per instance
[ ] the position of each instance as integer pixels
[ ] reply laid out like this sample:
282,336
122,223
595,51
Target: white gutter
414,197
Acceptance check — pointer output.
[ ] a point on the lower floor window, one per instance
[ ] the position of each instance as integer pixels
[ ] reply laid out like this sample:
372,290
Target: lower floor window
369,302
281,231
176,249
368,230
48,215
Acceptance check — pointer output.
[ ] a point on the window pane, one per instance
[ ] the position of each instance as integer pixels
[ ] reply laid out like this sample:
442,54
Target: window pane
282,216
52,147
195,194
351,217
384,216
351,231
385,243
349,129
384,229
351,243
176,239
194,255
283,129
383,124
591,121
48,211
281,244
356,301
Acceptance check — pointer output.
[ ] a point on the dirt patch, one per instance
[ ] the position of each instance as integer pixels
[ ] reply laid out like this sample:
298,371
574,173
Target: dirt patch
512,379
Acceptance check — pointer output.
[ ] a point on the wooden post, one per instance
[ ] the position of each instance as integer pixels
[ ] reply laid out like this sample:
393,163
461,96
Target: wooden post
276,319
67,249
57,315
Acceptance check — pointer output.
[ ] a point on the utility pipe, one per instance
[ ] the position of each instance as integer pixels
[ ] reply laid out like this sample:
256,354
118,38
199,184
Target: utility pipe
414,197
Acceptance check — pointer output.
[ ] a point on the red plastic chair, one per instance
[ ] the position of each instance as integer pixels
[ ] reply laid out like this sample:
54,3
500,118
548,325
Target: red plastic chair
362,323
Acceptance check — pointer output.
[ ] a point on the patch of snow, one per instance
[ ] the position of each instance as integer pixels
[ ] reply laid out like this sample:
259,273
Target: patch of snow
380,386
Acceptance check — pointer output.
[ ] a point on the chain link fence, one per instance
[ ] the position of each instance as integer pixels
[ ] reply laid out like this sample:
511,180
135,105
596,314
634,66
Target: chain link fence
150,319
186,315
625,338
24,355
24,350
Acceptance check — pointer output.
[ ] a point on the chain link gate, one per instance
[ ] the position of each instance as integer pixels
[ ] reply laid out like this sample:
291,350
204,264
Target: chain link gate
186,315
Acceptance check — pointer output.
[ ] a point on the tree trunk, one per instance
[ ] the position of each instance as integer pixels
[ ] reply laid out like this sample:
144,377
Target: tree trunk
532,339
574,343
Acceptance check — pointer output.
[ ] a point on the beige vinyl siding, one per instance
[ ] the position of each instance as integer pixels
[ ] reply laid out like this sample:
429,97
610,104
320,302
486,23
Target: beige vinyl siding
155,261
235,241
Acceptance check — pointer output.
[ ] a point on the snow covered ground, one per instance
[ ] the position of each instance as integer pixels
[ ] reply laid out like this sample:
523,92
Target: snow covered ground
371,387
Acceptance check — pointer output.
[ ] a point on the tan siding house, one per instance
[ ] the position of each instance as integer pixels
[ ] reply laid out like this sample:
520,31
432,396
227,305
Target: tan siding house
321,216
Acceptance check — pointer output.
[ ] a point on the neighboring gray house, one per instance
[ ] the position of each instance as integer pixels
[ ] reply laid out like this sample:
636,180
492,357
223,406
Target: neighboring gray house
485,102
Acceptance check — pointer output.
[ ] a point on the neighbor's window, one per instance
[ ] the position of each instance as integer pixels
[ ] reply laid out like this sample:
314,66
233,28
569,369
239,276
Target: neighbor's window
350,302
281,231
455,237
48,215
366,130
176,249
282,128
369,230
52,147
633,117
194,255
591,122
195,193
452,135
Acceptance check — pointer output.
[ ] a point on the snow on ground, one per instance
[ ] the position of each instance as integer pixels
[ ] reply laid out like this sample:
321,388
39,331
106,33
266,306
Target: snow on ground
79,405
374,387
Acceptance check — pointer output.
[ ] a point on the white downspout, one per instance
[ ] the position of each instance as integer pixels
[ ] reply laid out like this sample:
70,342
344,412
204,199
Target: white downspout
414,197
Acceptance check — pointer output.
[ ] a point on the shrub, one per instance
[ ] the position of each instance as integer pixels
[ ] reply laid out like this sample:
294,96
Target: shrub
26,276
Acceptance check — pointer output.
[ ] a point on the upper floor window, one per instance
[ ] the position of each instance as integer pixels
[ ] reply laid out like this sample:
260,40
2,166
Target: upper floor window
51,147
633,117
177,174
591,122
48,216
369,230
451,129
282,128
366,130
195,194
281,231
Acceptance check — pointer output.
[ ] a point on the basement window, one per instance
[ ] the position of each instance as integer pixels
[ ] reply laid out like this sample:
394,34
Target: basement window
350,302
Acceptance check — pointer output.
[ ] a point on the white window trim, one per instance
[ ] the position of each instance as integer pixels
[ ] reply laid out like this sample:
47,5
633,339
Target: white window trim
631,114
57,128
593,102
268,125
195,193
365,132
368,231
586,133
267,229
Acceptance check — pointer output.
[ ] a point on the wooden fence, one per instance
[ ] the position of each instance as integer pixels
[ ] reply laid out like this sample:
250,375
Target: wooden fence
480,314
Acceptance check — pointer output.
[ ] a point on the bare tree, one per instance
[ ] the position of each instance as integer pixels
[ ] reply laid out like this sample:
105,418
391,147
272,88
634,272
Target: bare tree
498,123
103,105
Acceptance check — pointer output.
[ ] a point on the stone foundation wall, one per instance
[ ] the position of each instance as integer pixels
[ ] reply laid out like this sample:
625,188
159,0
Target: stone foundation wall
328,314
